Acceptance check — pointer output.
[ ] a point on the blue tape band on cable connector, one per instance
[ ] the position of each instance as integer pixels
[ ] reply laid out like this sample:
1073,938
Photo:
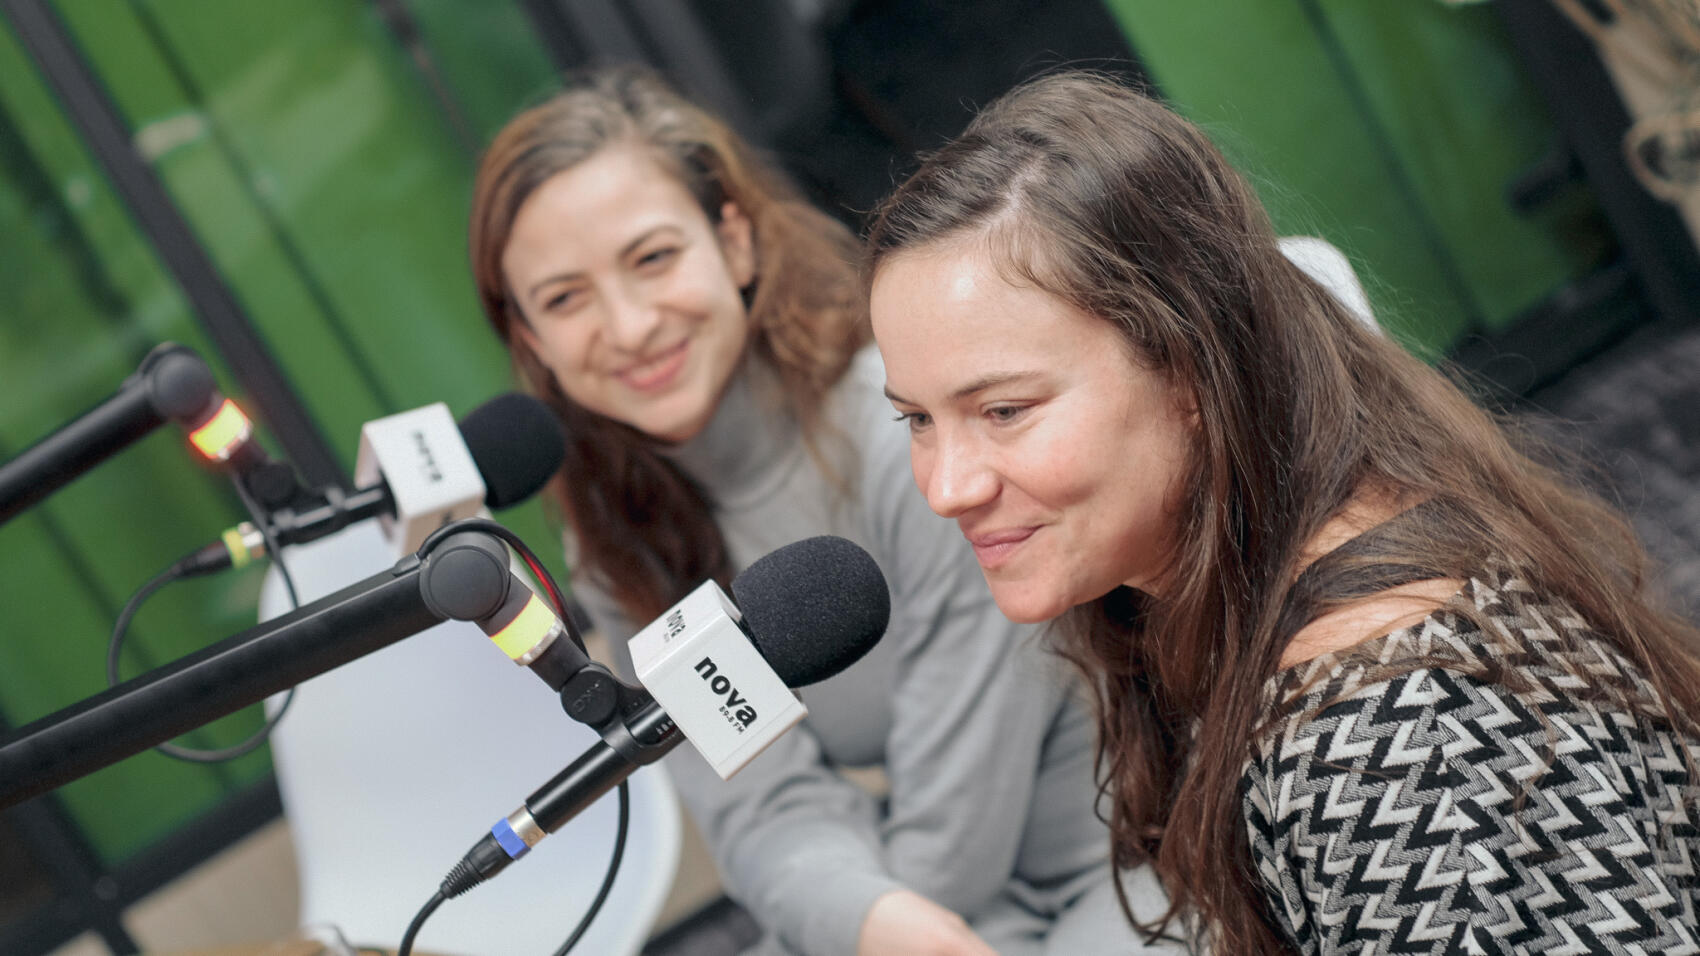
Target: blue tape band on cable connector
509,840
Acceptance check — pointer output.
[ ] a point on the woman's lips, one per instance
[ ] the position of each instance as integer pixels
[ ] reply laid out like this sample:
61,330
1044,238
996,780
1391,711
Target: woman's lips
994,548
657,371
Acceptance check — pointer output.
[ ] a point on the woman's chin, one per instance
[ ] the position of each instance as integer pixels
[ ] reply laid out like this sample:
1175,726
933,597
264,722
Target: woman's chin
677,431
1027,606
675,419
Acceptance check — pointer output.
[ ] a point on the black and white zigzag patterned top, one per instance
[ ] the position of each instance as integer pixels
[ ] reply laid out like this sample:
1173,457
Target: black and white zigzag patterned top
1441,813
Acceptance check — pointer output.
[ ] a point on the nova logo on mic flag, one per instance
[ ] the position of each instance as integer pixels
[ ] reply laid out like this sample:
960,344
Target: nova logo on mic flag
745,715
432,478
702,669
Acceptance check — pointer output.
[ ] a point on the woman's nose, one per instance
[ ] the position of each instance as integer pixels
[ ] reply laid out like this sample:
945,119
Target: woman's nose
958,480
630,321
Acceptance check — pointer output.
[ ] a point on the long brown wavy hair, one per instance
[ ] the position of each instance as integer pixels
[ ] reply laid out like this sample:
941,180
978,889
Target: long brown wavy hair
1101,196
642,529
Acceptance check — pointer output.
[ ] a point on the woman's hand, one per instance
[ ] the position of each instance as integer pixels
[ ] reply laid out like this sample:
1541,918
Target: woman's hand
905,923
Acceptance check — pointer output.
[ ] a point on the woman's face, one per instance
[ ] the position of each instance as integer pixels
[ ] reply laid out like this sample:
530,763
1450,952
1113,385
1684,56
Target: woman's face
631,296
1060,457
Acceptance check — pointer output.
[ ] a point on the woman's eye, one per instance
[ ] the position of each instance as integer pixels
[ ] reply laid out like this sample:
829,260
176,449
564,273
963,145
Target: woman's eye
557,300
915,420
1005,414
657,256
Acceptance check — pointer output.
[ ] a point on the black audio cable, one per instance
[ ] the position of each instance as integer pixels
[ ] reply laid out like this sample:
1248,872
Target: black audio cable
487,857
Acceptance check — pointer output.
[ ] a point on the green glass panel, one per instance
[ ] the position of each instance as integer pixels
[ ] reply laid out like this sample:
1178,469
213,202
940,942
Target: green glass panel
1390,129
327,175
1464,122
492,63
84,299
322,170
226,187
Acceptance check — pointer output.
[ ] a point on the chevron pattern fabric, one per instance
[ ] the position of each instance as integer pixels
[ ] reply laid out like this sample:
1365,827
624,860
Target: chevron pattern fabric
1441,811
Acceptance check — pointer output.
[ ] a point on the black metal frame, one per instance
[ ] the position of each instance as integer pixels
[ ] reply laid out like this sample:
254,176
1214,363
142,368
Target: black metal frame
673,38
91,899
85,897
574,32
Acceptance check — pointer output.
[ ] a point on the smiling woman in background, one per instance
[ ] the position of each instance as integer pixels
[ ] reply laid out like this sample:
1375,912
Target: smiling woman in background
1371,678
701,330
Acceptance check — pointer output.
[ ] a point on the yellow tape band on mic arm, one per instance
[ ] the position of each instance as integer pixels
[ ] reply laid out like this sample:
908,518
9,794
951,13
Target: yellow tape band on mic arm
527,630
218,437
239,553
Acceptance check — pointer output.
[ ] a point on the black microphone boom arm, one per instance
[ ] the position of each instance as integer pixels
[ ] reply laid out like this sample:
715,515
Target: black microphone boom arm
465,577
172,382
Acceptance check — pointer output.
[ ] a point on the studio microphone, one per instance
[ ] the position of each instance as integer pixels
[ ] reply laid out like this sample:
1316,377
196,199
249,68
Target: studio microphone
462,574
172,383
722,671
418,471
434,472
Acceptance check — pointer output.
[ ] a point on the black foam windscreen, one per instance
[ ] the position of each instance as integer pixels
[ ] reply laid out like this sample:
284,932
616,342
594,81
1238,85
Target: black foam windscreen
517,444
813,607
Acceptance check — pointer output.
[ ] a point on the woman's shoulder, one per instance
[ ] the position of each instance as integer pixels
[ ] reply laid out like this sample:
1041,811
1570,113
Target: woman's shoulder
1387,613
1500,653
1439,756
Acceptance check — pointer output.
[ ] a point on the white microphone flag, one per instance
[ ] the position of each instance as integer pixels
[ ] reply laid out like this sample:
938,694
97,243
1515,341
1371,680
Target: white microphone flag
421,455
701,668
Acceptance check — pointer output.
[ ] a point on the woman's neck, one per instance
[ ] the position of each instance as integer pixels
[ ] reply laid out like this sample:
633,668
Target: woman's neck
1356,622
749,433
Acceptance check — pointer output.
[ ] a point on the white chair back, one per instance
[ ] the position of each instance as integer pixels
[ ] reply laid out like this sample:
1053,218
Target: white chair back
1326,264
392,766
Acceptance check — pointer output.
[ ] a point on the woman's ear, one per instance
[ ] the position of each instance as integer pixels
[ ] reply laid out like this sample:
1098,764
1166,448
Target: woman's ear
737,244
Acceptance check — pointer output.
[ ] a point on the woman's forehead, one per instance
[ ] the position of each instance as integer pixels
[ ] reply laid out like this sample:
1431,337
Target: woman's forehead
950,322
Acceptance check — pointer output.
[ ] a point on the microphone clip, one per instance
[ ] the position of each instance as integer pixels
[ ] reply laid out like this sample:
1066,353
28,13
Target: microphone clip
593,696
523,625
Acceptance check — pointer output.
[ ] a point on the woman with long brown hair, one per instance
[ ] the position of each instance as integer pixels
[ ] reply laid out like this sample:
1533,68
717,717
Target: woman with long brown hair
1372,673
701,331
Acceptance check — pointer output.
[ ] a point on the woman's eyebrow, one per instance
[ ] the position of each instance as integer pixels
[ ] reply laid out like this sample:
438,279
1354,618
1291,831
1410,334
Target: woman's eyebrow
989,380
642,238
625,250
547,280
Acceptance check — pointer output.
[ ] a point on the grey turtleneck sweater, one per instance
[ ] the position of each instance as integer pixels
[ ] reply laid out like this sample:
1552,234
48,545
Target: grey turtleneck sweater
983,734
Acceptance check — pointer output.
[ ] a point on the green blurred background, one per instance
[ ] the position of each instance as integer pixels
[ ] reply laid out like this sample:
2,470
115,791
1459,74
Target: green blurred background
313,165
321,152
